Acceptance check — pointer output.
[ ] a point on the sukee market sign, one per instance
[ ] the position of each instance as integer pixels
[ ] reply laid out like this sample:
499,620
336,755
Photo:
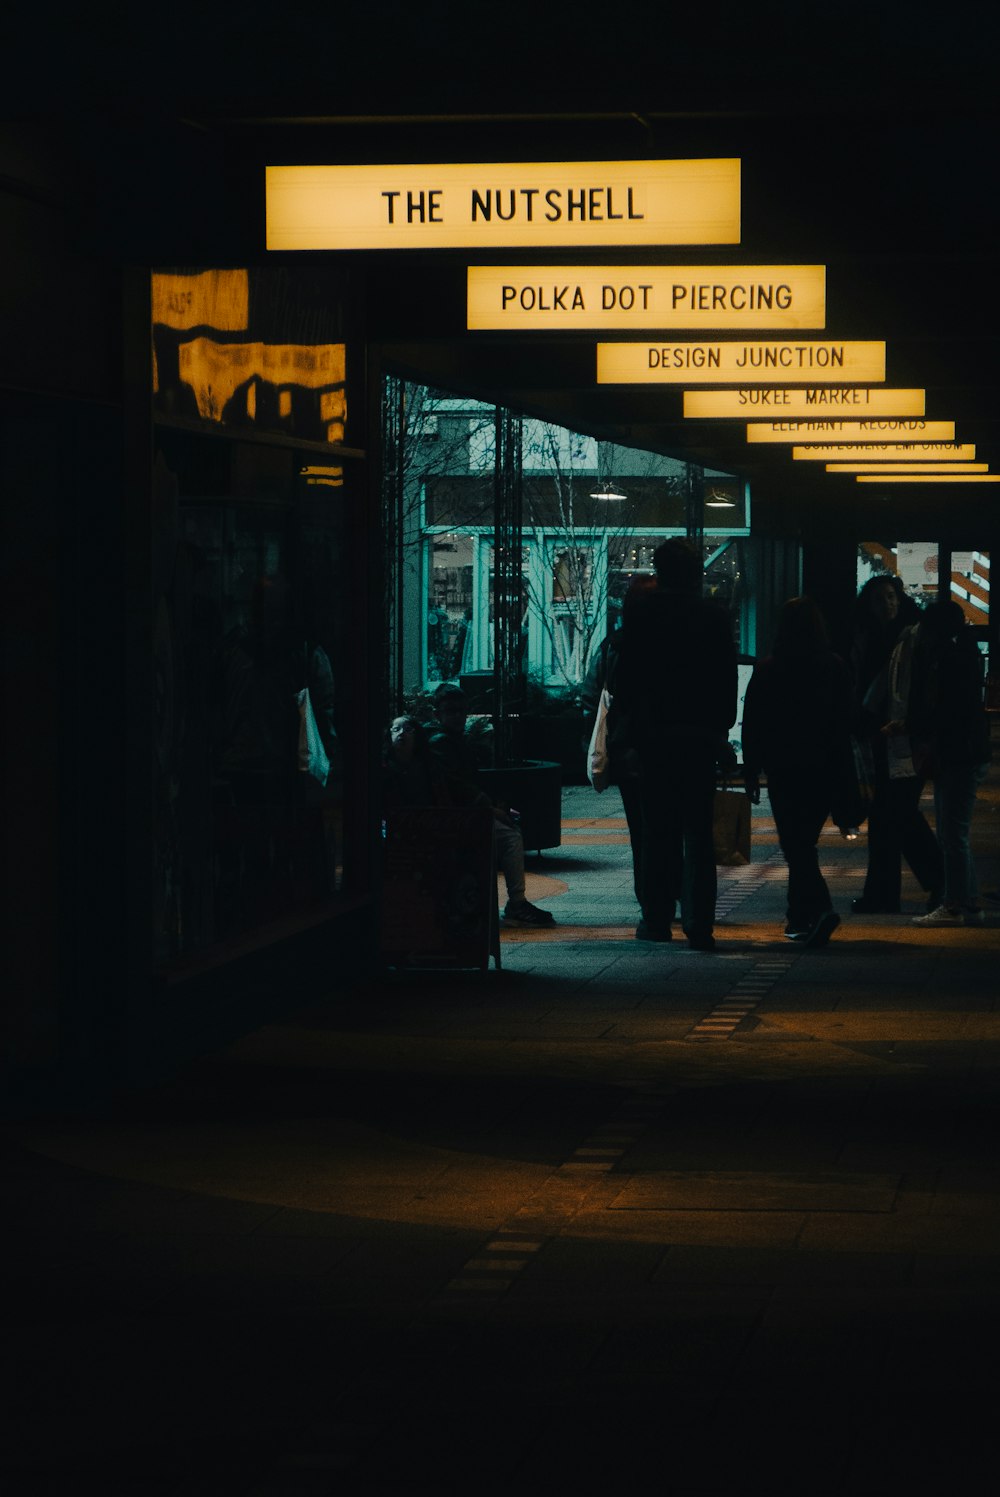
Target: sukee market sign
495,206
854,400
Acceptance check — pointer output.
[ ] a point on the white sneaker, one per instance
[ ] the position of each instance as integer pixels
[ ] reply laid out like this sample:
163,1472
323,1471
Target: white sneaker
941,916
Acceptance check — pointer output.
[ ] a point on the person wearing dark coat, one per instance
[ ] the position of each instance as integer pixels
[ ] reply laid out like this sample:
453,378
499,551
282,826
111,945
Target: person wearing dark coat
796,729
897,828
950,734
676,694
624,764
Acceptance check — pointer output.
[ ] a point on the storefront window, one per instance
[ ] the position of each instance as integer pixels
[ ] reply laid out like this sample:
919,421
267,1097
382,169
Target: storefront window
628,557
592,515
915,563
725,579
568,621
253,585
523,606
450,636
970,584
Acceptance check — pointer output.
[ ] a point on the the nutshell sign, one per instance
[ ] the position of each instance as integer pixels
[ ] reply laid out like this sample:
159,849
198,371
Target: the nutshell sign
501,205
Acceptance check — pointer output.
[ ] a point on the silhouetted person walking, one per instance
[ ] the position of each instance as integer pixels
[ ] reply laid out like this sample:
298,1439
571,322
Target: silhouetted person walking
796,728
897,828
676,692
624,761
950,736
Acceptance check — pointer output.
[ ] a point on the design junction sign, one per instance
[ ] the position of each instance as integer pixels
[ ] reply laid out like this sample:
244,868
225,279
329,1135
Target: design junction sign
735,363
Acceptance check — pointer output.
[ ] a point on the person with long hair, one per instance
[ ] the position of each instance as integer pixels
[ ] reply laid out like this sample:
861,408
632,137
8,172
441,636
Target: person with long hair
885,618
796,730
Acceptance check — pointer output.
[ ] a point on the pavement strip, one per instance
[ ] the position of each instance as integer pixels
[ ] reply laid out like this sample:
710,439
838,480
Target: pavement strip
467,1299
493,1269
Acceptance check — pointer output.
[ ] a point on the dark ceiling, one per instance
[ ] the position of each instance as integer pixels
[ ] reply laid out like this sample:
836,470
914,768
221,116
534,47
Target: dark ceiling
869,138
901,206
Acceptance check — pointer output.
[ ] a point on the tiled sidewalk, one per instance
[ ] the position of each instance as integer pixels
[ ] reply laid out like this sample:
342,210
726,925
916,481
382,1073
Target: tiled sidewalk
617,1214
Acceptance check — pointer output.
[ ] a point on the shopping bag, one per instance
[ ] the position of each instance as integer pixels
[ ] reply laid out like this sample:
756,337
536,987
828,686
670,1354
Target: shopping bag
312,755
598,761
731,828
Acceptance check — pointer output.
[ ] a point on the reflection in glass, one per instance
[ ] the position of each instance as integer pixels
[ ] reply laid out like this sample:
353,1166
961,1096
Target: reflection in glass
970,584
450,608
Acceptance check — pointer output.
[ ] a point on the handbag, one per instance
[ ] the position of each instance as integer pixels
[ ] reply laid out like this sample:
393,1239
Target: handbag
864,770
598,759
854,784
312,755
731,827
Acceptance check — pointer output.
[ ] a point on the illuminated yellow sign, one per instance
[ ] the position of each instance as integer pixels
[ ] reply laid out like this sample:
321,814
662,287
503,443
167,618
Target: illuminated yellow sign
632,297
729,404
510,204
851,431
907,467
889,452
945,477
738,363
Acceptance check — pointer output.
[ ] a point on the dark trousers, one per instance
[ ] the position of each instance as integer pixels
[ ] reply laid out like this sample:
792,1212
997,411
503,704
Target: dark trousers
800,803
628,785
897,829
677,791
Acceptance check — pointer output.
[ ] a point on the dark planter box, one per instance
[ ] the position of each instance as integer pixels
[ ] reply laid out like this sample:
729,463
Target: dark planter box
533,788
556,739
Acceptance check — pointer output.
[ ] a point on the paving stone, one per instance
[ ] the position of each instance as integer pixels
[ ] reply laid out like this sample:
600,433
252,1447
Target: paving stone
276,1269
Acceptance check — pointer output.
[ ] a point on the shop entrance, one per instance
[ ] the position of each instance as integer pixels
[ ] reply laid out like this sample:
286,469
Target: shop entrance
580,520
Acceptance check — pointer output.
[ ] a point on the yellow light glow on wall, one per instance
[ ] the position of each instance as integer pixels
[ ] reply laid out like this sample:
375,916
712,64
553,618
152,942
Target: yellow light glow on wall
215,371
948,477
907,467
856,400
738,363
633,297
960,452
493,206
218,299
851,431
324,475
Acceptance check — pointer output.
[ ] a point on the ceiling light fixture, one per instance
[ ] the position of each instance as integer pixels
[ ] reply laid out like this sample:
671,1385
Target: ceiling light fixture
716,500
608,489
